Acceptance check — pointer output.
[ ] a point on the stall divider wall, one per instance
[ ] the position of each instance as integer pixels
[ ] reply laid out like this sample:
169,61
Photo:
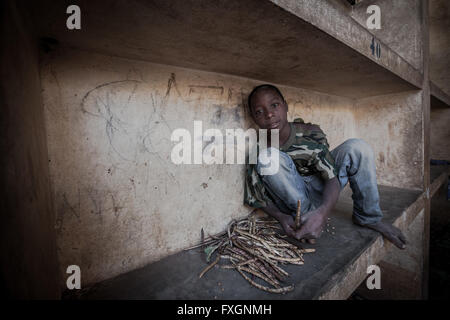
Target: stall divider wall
426,144
29,268
439,12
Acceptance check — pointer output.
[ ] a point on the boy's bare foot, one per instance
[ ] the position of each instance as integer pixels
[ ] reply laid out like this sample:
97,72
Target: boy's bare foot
393,234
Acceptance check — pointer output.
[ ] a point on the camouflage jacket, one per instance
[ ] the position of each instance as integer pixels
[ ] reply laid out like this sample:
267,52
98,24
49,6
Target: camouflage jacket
308,148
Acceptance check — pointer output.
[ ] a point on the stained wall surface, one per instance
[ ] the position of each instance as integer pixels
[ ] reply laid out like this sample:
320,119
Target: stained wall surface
120,201
392,125
439,43
439,66
440,133
27,237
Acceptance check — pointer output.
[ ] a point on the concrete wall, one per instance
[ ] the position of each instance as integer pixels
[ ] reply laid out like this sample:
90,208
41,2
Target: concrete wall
392,124
440,133
440,43
27,235
439,66
121,202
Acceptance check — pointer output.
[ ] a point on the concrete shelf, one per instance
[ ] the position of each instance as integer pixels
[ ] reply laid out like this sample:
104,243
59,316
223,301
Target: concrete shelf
282,42
438,98
325,274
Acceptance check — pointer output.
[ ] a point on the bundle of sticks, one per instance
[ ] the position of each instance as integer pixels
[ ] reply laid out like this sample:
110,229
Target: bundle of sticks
254,247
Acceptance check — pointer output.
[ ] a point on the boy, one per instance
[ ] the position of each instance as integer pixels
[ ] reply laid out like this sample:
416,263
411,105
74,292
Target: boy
309,172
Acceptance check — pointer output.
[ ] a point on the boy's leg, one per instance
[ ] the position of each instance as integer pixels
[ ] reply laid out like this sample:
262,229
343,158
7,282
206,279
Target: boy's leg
286,186
355,164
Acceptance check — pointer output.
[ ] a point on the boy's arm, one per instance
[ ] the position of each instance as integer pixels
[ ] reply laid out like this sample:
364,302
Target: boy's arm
313,226
324,163
330,195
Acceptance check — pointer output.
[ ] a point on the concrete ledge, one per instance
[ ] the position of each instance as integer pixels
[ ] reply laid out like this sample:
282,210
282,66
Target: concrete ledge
333,272
350,279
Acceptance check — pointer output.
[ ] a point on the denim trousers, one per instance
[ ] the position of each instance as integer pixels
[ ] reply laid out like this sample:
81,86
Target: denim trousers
355,164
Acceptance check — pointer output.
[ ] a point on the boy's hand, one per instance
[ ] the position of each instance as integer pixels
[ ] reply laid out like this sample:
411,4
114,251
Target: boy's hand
312,228
288,224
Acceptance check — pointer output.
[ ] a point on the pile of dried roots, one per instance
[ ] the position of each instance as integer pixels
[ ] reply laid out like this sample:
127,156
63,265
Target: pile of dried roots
254,247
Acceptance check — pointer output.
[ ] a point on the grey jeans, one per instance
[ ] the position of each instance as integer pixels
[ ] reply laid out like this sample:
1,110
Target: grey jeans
355,164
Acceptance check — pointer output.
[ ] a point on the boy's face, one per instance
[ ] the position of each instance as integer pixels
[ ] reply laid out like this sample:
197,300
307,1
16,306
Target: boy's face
269,110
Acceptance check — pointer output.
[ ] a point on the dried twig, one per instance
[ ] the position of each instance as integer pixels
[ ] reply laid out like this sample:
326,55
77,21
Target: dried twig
297,217
209,267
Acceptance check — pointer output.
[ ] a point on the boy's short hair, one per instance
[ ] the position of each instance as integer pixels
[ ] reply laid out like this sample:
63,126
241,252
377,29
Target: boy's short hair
262,87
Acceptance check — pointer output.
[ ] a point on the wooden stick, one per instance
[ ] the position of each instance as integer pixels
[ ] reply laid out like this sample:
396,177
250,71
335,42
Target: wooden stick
297,217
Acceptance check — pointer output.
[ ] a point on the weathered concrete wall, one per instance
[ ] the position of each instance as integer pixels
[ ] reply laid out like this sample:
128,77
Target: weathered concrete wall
400,26
335,115
121,203
392,124
440,133
440,43
439,66
27,236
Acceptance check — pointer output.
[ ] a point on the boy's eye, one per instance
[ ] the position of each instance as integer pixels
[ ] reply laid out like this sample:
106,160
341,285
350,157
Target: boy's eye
275,105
